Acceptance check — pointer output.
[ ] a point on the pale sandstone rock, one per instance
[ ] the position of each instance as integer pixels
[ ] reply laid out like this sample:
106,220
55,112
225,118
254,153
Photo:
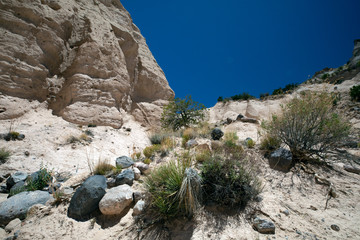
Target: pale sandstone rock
116,200
86,59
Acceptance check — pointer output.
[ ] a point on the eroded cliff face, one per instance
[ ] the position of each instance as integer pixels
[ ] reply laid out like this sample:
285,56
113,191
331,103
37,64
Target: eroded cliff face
85,58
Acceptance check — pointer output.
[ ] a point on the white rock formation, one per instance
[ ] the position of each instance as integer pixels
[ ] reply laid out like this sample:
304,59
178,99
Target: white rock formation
86,59
116,200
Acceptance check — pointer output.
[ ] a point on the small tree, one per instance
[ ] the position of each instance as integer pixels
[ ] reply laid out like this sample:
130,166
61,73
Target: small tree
355,93
309,125
182,113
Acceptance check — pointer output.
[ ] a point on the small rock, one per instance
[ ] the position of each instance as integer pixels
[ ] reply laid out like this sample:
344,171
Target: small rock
264,226
281,159
335,227
137,173
191,143
13,225
286,212
18,187
116,200
27,153
20,137
229,120
239,117
124,162
249,120
352,169
128,129
3,188
138,208
127,176
15,178
111,182
313,208
138,196
216,134
143,167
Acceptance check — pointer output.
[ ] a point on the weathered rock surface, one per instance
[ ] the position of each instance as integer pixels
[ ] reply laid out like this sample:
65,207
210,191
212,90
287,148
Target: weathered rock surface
86,59
138,208
17,206
87,197
116,200
137,173
264,226
127,176
124,162
281,159
15,178
143,167
216,134
13,225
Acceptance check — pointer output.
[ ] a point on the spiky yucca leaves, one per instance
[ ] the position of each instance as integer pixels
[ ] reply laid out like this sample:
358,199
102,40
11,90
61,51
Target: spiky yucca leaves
190,191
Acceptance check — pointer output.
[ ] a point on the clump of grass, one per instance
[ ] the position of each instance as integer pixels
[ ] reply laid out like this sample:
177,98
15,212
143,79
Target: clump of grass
151,150
270,143
4,155
89,133
42,180
174,189
231,148
157,138
73,139
103,167
250,143
227,182
230,138
84,137
147,161
202,155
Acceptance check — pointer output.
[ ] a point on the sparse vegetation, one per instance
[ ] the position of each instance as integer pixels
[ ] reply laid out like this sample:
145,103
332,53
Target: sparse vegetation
355,93
151,150
72,139
237,97
309,125
41,180
4,155
202,155
270,143
288,88
182,113
250,143
103,167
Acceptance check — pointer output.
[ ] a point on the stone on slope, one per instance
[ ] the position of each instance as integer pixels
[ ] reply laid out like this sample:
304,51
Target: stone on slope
87,197
138,208
15,178
116,200
216,134
264,226
137,173
124,162
13,225
17,206
127,176
143,167
280,159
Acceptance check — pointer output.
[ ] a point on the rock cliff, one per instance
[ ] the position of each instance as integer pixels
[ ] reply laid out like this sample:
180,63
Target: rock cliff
86,59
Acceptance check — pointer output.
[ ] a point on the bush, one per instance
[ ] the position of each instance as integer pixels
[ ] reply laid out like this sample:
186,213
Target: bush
103,167
157,138
202,155
4,155
226,182
270,143
151,150
230,139
309,125
250,143
174,189
182,113
42,180
355,93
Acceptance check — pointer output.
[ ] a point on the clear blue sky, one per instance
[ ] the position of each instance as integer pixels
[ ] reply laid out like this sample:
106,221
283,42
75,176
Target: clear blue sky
212,48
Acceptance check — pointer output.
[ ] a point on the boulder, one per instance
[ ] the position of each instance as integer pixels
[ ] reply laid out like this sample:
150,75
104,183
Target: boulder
264,226
191,143
138,208
143,167
13,225
116,200
216,134
127,176
15,178
124,162
137,173
281,159
18,187
17,206
87,197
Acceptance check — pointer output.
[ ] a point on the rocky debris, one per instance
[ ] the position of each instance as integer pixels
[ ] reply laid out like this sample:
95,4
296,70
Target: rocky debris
88,61
352,169
280,159
137,173
12,136
216,134
239,117
15,178
116,200
13,225
264,226
138,208
249,120
2,233
191,143
335,227
137,196
143,167
17,206
286,212
124,162
127,176
87,197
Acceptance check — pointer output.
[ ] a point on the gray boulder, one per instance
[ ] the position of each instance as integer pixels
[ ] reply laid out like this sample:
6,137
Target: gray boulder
191,143
216,134
18,187
17,206
127,176
264,226
138,208
116,200
15,178
124,162
143,167
87,197
281,159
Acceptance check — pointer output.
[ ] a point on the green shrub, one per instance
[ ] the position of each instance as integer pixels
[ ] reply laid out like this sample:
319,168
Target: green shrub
147,161
72,139
250,143
174,189
4,155
220,99
242,96
325,76
202,155
230,139
151,150
270,143
42,180
226,182
355,93
103,167
309,125
182,113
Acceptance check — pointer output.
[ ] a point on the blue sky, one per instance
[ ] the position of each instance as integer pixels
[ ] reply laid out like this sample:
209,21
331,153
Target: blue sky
212,48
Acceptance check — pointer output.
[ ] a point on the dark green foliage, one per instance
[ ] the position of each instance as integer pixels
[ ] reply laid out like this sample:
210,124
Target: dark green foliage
278,91
182,113
226,182
263,95
242,96
325,76
91,125
4,155
220,99
287,88
355,93
89,133
42,180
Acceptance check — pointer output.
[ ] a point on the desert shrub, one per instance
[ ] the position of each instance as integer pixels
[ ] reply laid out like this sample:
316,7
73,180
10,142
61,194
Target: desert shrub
89,133
242,96
287,88
103,167
174,189
231,148
204,129
277,91
230,139
147,161
309,125
220,99
270,143
325,76
72,139
250,143
355,93
202,155
263,95
4,155
182,113
42,180
85,137
151,150
157,138
168,143
227,182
